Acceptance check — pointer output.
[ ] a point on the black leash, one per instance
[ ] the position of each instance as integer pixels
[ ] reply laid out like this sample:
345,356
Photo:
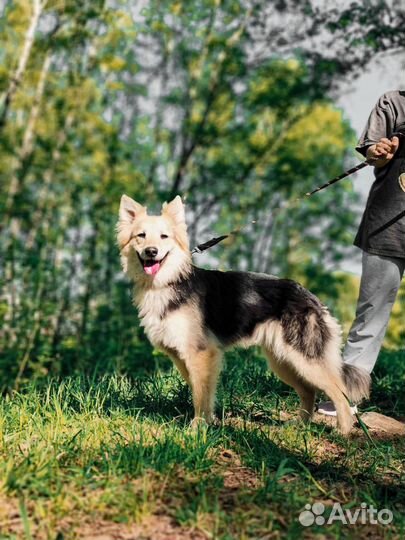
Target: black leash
340,177
400,133
216,240
206,245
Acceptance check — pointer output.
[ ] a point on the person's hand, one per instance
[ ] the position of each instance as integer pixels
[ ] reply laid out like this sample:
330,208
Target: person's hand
382,152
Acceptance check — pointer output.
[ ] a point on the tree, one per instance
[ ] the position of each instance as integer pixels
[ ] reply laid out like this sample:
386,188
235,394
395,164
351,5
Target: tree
34,9
228,102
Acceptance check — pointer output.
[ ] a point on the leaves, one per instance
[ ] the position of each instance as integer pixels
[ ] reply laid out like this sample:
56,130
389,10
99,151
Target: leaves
224,102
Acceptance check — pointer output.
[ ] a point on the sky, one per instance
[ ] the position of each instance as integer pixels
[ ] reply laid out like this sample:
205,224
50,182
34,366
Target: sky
357,98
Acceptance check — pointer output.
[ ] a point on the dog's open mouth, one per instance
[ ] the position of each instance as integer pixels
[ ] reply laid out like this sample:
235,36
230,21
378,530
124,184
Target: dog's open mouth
151,266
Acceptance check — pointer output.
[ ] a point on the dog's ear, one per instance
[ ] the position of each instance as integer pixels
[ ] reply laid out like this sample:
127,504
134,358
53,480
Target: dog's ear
130,209
175,210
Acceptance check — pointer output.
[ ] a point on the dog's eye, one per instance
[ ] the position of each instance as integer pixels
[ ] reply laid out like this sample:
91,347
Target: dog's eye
164,236
141,235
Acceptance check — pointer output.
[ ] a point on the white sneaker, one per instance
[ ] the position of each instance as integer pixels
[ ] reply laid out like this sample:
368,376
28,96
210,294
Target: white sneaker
327,408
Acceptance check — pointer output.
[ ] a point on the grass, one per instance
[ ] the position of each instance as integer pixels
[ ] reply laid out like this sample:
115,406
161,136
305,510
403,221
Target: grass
82,458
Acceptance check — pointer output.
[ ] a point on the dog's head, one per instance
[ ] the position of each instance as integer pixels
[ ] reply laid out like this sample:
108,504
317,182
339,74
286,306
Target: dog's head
153,248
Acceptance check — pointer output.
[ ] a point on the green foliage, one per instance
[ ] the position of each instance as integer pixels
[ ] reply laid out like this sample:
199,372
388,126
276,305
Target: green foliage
204,98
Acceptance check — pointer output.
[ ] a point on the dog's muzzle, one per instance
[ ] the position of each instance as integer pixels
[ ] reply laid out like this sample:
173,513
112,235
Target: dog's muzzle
151,266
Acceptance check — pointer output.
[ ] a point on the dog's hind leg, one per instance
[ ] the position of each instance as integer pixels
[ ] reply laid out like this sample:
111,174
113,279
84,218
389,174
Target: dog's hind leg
305,391
204,367
334,388
323,379
320,376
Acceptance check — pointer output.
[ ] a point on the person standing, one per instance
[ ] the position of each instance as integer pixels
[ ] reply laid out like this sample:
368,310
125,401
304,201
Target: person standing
381,235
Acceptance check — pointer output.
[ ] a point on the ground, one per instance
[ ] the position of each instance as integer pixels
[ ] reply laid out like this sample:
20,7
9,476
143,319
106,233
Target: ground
114,458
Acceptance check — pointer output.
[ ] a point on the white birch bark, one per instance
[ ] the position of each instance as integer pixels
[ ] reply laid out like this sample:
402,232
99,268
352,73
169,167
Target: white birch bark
7,97
29,134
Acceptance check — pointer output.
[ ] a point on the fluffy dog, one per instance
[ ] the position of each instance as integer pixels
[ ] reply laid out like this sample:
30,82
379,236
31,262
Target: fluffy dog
192,314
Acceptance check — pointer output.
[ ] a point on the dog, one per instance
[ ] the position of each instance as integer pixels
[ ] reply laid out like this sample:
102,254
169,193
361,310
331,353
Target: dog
193,314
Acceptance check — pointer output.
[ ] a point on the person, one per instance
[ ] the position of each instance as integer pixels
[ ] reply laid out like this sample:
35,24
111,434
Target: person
381,235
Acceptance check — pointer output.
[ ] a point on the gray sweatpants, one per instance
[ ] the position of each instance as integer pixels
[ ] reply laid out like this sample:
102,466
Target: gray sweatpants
380,281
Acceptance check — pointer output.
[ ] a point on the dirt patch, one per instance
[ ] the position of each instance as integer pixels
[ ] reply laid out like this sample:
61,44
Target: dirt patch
235,475
155,527
10,520
328,450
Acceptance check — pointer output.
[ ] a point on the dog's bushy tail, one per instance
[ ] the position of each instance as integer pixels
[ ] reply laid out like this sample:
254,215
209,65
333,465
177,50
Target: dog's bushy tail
357,382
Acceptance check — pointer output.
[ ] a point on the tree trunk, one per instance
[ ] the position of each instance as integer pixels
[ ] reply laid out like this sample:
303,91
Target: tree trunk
91,265
48,176
25,152
66,297
17,76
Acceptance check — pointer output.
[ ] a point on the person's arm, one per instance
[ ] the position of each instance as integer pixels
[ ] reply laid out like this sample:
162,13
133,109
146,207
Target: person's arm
376,142
383,151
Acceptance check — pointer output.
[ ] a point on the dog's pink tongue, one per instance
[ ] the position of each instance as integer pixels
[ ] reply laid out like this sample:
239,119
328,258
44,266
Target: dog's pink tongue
152,270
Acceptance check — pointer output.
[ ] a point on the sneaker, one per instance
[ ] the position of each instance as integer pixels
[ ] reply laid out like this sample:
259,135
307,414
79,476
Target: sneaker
327,408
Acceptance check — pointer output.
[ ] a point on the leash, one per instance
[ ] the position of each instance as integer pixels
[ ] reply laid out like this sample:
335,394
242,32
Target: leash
400,133
216,240
200,248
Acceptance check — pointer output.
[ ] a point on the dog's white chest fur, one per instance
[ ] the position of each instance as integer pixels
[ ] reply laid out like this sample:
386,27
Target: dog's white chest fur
152,305
172,329
163,327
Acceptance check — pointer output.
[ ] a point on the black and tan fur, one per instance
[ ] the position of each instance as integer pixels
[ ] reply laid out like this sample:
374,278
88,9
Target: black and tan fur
193,314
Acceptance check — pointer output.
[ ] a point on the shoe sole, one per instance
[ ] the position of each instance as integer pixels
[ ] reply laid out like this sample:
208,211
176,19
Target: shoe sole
353,410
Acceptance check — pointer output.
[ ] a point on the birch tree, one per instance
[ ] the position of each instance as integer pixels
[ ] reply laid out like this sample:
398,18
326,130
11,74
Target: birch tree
229,103
36,8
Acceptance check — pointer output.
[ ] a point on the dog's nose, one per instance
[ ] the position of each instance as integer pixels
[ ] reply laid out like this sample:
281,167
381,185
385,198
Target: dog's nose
151,251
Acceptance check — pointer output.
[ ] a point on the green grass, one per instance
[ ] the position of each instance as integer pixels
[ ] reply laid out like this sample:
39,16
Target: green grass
111,454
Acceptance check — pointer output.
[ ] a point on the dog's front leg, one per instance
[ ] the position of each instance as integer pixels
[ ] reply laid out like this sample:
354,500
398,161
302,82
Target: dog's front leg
179,363
204,367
